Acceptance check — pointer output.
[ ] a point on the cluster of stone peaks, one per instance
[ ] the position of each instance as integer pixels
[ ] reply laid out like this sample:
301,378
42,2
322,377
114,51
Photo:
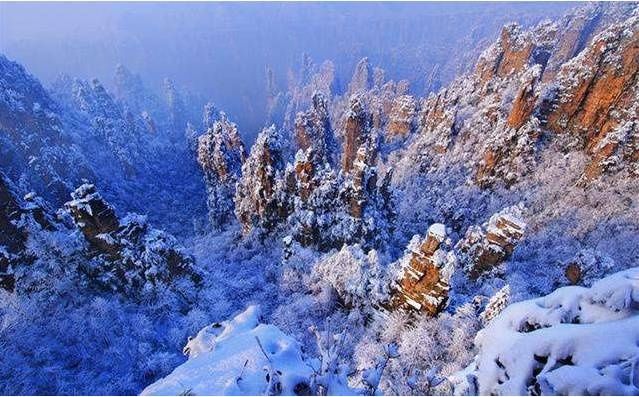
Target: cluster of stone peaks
326,194
573,83
423,281
326,176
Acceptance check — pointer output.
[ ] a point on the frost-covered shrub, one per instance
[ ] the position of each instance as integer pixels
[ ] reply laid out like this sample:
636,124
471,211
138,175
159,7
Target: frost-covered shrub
357,277
429,349
52,342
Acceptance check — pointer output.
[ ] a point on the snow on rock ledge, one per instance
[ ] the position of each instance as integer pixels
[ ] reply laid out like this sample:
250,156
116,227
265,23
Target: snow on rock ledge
227,359
425,270
483,248
575,341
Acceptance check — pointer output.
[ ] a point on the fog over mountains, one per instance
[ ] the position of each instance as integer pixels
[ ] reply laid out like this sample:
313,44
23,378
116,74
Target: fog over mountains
220,51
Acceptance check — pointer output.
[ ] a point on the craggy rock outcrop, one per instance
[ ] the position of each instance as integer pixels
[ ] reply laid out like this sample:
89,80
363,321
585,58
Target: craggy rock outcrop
320,201
362,183
493,111
425,270
596,98
509,155
571,84
512,53
575,30
402,117
483,248
496,304
93,216
525,100
313,130
305,172
437,120
356,131
127,256
255,199
220,154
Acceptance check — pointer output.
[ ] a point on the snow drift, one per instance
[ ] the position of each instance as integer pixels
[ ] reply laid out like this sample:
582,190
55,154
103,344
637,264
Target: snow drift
574,341
238,357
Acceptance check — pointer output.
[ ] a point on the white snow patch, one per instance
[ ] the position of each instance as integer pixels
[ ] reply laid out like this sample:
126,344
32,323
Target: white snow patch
226,359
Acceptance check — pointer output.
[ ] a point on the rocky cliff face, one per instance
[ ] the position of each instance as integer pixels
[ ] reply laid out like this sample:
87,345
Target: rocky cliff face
255,201
423,282
495,121
545,82
313,130
402,117
329,192
596,99
356,130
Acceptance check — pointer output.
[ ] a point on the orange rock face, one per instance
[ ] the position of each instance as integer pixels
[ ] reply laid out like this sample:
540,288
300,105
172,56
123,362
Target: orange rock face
573,273
356,129
511,54
424,281
597,91
401,117
524,102
486,167
304,173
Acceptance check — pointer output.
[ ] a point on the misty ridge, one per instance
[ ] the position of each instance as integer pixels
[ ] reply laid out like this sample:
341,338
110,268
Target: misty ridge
221,52
319,198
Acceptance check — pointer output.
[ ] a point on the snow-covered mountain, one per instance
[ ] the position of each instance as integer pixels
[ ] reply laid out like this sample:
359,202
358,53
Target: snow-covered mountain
372,241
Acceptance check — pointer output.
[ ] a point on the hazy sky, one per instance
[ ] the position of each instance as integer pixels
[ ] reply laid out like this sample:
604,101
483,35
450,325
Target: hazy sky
221,50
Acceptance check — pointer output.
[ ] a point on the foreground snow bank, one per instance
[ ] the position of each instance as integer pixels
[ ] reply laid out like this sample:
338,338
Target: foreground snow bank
238,357
576,341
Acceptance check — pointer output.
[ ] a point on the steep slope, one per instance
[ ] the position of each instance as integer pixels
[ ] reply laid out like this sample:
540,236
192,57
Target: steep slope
36,149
